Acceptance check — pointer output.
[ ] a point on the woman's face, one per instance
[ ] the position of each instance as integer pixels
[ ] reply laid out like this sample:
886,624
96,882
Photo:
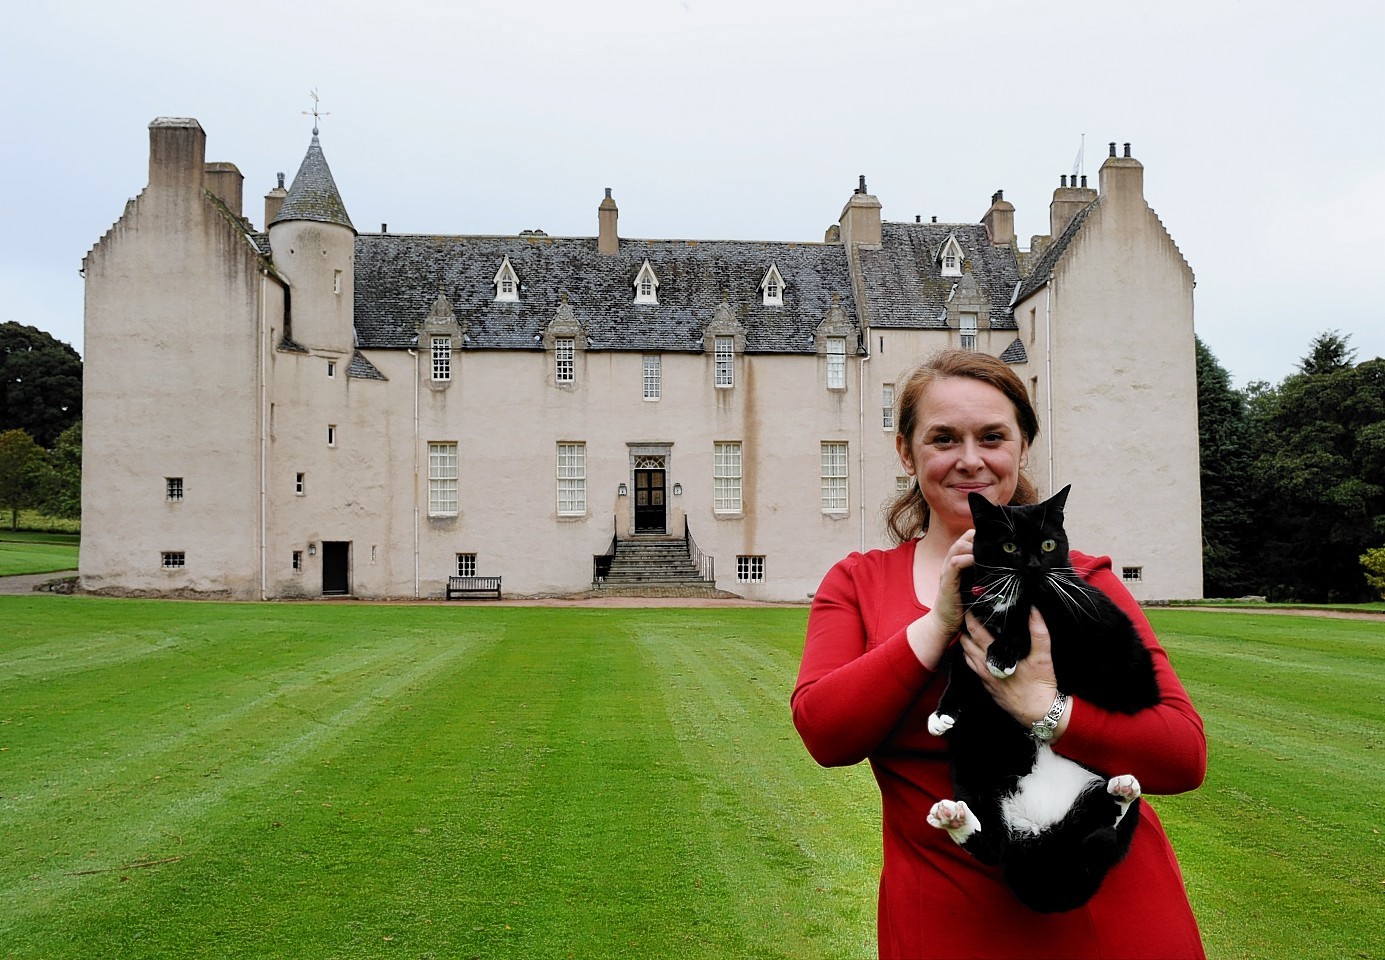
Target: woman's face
967,440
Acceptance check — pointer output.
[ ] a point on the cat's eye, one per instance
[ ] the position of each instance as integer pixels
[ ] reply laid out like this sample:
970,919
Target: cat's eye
1010,547
1049,546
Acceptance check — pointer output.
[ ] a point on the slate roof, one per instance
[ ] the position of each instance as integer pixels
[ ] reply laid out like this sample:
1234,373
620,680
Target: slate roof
313,194
1043,268
399,276
904,285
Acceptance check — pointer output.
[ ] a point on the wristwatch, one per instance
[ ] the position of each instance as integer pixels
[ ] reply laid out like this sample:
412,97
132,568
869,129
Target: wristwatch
1044,728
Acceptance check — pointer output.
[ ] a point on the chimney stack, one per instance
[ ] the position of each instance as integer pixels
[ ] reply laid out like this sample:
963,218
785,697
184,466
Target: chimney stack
177,154
1000,221
607,241
1067,203
1123,177
226,182
273,201
860,219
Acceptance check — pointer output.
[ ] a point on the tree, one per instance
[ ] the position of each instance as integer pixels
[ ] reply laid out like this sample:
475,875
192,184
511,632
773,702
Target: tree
22,464
1228,520
1374,562
40,383
1320,475
1328,353
62,494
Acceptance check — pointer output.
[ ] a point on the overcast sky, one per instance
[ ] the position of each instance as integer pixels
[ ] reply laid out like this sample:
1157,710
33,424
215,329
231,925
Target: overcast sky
1260,127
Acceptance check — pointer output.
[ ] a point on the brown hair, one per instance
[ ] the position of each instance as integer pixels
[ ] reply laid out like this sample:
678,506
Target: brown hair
907,516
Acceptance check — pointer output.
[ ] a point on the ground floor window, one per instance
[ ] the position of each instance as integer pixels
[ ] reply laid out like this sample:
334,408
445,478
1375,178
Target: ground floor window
466,564
173,559
726,477
834,476
750,569
173,488
1132,574
298,559
572,479
442,479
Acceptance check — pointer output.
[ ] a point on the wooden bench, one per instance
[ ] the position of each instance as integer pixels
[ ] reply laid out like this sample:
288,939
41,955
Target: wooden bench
473,587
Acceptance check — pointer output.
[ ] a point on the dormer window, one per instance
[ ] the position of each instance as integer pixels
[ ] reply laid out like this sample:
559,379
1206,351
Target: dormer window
506,283
772,287
950,257
646,285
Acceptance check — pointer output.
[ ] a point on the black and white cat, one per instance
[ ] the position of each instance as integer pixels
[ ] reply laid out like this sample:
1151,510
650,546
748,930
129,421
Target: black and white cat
1054,827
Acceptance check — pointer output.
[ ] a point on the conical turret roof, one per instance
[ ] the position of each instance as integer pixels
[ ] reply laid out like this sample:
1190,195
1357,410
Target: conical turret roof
313,195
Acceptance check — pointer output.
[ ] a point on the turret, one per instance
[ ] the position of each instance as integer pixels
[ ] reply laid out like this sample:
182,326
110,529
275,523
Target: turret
313,243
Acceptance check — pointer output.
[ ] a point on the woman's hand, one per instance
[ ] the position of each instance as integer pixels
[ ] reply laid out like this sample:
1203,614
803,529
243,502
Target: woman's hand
1027,694
931,634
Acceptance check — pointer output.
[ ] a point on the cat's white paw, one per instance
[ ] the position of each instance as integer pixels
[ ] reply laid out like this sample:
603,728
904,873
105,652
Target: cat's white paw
955,817
1126,789
998,673
940,723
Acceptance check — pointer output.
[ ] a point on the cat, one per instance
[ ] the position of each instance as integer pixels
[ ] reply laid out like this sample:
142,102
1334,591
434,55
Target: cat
1054,827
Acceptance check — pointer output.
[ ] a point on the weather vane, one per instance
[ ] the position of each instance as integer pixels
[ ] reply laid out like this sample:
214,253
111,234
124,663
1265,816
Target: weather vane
314,112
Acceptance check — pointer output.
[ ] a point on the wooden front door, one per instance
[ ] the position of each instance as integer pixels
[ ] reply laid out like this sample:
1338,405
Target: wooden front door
336,567
651,514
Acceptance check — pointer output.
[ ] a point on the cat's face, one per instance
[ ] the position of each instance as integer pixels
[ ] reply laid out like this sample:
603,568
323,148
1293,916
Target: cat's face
1028,540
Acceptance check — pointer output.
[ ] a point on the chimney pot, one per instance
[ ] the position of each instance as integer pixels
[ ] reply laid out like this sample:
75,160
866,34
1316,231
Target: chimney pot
608,193
918,218
1113,148
863,184
384,228
281,181
1063,180
1084,181
1127,149
935,218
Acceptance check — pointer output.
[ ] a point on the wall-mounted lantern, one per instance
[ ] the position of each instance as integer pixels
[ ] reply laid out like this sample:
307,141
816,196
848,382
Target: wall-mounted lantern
677,489
623,490
312,549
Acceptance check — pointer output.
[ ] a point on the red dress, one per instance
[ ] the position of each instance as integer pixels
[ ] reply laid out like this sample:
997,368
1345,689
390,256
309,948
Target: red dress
862,694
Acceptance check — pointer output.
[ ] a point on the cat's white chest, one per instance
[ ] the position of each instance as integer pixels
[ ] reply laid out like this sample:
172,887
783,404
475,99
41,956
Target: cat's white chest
1045,794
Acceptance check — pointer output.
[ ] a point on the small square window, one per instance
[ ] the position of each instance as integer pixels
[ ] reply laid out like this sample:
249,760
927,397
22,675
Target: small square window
298,559
173,487
750,569
466,564
331,369
298,483
331,434
1132,574
173,559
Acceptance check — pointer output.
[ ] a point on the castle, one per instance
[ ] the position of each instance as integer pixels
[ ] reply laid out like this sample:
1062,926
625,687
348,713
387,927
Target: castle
307,410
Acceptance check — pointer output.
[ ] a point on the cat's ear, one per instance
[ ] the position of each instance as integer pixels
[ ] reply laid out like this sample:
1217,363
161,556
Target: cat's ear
1059,499
980,507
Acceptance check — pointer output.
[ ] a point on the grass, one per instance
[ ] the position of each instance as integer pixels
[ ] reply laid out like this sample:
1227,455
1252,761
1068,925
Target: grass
32,520
334,781
28,551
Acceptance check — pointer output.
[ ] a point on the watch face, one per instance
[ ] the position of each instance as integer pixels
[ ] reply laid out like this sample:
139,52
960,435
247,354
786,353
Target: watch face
1043,732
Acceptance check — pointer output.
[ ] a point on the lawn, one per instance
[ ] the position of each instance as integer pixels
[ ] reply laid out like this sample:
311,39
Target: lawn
27,551
359,780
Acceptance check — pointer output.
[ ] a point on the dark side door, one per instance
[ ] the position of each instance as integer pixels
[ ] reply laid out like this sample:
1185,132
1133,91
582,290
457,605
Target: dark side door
336,567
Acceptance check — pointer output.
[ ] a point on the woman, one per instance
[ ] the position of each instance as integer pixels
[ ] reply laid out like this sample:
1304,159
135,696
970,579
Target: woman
869,679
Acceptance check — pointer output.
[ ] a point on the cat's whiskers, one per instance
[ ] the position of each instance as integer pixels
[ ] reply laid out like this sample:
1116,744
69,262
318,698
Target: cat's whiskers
1070,589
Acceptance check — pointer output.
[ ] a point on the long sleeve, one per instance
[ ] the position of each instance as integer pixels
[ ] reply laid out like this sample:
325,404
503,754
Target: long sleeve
858,676
1165,746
